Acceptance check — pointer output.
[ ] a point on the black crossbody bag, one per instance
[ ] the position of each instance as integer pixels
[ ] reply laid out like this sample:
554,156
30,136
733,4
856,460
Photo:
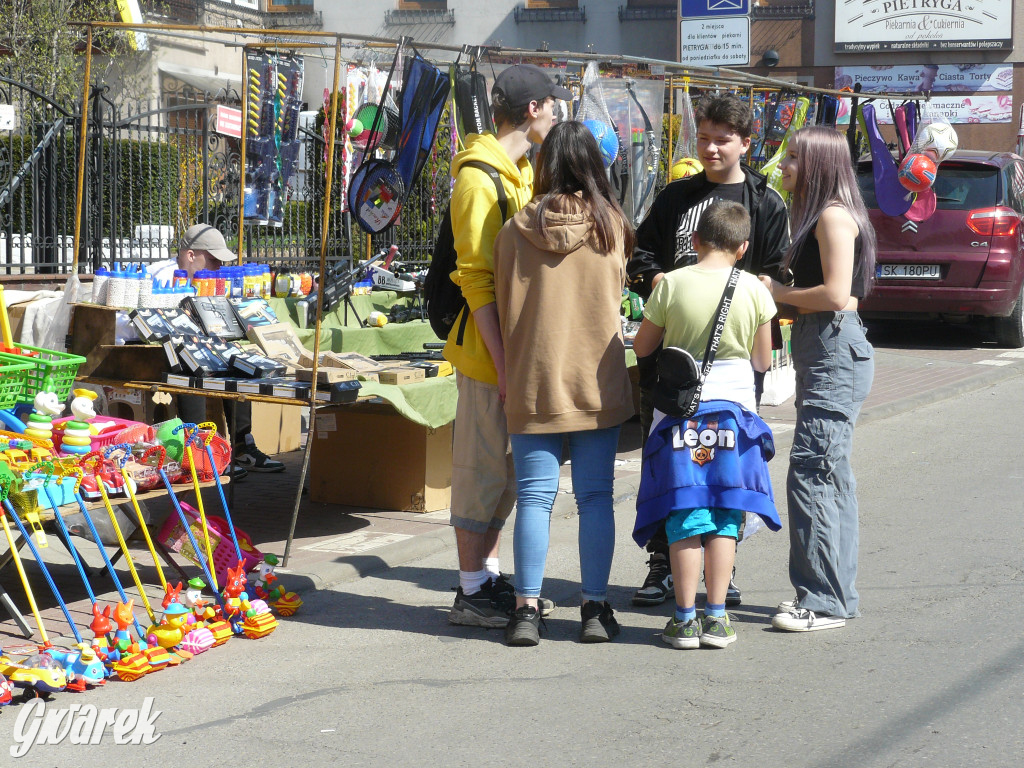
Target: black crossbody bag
677,391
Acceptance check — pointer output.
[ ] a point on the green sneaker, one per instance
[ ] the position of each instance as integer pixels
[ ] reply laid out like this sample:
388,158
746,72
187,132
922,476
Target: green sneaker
682,634
716,631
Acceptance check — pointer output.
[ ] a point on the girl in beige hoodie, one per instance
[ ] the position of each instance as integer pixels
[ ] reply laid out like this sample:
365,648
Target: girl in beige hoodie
559,269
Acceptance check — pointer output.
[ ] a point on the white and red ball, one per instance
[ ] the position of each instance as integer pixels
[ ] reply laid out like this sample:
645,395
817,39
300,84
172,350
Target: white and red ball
938,138
917,172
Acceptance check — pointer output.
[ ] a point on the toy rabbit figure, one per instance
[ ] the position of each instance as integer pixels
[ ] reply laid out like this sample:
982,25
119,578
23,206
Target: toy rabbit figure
235,597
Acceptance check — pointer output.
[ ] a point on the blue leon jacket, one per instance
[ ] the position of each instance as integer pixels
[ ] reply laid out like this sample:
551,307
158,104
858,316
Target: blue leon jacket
717,458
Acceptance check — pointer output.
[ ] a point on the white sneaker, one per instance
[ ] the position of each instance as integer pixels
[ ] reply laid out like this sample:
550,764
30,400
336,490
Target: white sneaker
786,606
803,620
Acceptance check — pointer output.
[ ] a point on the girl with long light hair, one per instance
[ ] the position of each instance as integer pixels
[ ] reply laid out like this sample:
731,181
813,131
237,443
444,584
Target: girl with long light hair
828,268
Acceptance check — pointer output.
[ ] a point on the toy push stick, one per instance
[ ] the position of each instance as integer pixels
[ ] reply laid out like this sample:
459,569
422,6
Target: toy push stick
126,454
97,460
191,435
21,569
5,323
42,566
184,520
211,430
79,475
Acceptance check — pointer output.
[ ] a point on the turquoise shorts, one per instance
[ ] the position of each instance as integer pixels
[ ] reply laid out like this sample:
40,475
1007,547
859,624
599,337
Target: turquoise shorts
703,521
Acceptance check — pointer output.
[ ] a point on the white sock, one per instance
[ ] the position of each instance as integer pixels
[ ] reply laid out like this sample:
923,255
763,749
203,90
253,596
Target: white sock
471,581
491,566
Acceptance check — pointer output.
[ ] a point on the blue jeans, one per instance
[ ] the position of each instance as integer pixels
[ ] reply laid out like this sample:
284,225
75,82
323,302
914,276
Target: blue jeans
834,366
593,461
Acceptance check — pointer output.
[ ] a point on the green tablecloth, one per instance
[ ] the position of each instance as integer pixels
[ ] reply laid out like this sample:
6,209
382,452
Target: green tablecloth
430,402
296,310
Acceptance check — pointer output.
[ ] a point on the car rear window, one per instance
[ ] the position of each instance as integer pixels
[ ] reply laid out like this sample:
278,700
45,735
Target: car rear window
958,187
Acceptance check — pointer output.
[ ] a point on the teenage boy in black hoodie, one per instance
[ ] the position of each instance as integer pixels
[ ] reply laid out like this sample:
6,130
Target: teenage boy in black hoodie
663,243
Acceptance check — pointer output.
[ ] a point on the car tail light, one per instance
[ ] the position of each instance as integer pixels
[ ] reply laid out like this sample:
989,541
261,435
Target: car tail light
998,222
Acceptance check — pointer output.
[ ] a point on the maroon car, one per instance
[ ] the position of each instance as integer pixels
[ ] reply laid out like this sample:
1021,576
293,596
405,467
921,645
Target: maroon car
966,262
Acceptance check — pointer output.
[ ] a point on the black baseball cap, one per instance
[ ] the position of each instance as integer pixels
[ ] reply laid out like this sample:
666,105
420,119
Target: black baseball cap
522,83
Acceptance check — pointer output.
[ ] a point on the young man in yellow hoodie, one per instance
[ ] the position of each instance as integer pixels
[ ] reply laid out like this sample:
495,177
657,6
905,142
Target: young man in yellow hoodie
483,480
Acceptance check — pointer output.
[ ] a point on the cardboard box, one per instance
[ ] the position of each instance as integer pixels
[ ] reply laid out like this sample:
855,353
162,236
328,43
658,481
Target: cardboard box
278,342
276,427
401,375
326,376
407,466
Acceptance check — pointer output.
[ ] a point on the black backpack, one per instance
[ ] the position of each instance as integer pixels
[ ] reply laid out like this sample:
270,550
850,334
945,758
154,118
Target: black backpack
443,299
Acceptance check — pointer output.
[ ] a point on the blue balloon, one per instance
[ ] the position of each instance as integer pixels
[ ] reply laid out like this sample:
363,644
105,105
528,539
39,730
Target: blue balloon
607,141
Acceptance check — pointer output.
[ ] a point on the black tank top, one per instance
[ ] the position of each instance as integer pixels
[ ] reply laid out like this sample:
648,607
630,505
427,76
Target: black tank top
807,272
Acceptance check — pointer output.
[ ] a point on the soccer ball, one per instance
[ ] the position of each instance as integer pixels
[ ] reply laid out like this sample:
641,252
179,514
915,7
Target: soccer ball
685,167
917,172
939,138
607,141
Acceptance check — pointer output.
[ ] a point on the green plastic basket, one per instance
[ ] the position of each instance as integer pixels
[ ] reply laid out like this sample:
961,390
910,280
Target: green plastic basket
60,367
12,381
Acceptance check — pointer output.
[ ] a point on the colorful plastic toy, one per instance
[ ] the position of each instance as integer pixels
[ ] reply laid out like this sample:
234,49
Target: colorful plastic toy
236,599
37,675
82,666
77,437
266,588
45,407
6,690
192,435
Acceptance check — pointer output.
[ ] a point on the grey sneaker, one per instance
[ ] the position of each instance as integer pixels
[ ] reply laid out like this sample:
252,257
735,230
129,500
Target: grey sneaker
786,606
716,631
599,624
684,635
658,584
490,607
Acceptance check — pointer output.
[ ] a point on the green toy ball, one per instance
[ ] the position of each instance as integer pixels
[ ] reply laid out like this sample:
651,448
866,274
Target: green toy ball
355,128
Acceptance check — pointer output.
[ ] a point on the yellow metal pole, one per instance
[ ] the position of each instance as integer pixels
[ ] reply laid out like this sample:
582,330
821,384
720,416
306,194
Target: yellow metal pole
241,159
80,185
320,293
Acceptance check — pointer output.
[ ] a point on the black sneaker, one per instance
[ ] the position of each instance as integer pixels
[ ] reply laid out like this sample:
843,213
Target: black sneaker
658,584
523,627
732,594
490,607
237,473
253,459
599,624
503,582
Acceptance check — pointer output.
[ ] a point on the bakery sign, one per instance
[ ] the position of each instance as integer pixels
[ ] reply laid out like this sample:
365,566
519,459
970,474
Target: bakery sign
865,26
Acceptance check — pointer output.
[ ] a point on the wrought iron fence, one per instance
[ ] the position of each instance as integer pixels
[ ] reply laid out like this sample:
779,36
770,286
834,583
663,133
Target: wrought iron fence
155,167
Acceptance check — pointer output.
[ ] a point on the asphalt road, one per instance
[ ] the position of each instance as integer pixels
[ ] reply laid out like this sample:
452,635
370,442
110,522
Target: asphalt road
370,672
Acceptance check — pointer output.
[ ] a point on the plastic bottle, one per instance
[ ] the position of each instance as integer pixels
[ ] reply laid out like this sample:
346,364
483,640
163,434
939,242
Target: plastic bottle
283,285
132,288
179,278
116,288
145,289
100,282
220,283
238,281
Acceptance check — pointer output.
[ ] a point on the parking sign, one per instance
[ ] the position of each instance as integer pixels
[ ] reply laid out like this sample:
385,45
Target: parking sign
691,8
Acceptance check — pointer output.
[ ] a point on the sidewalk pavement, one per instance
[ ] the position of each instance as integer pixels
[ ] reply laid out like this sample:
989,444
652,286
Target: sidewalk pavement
334,544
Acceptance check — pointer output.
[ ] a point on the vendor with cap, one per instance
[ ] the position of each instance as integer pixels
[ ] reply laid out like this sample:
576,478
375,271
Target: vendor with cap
203,247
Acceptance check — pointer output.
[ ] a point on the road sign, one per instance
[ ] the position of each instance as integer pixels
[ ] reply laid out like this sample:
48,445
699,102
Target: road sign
715,42
691,8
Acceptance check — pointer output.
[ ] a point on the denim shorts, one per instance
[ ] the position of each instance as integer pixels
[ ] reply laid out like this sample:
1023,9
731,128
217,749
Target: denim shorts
703,521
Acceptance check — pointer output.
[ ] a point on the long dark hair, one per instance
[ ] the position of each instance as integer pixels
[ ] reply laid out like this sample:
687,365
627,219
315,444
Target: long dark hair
569,163
825,177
